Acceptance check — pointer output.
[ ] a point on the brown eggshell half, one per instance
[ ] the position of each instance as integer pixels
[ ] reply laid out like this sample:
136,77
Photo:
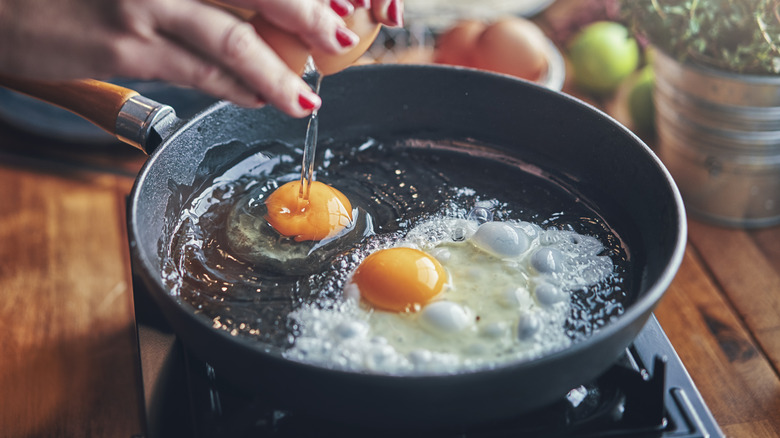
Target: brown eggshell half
291,49
362,23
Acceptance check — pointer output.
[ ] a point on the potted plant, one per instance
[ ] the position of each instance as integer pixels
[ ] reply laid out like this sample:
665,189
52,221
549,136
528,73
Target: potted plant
717,99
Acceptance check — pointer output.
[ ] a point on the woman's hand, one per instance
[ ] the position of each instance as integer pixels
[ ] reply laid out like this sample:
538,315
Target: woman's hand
387,12
185,42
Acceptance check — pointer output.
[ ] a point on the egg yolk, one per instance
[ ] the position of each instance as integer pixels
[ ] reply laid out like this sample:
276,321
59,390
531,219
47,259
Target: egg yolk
324,214
399,279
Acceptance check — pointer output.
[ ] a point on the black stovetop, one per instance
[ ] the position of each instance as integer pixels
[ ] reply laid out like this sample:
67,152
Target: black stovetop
646,393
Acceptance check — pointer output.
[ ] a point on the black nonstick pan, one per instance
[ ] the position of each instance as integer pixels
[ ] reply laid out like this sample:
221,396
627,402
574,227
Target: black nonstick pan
599,159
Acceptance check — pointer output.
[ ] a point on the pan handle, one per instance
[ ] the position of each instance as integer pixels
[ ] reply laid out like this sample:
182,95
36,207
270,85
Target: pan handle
132,118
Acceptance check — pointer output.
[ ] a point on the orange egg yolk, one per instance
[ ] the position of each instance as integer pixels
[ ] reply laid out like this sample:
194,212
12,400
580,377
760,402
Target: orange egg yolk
324,214
399,279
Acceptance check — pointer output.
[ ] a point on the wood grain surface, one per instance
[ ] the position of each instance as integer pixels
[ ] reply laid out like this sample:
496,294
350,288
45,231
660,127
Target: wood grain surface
68,365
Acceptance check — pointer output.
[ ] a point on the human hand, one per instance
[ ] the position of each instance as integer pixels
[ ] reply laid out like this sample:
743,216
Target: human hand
185,42
387,12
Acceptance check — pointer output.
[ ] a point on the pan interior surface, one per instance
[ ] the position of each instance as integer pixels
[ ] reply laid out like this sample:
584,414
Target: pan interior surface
400,187
511,140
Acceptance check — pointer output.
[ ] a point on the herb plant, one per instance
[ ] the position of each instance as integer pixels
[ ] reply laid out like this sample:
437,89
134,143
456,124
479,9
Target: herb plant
741,36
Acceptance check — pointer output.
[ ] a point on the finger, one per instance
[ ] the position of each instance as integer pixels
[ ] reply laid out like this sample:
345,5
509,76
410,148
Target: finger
361,3
388,12
168,61
234,45
342,8
315,22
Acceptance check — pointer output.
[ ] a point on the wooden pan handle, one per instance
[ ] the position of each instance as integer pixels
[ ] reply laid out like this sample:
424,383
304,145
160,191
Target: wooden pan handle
99,102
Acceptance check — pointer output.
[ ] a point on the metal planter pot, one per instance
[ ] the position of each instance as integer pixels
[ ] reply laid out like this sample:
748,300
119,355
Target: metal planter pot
719,136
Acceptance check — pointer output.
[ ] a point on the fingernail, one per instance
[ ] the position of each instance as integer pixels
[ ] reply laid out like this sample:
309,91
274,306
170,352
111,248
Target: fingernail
342,7
309,100
346,37
394,13
364,3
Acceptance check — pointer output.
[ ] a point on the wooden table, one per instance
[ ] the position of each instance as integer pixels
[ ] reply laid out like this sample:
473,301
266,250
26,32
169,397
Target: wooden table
68,357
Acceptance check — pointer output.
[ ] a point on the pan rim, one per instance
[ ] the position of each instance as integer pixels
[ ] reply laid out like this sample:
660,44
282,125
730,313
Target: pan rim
644,304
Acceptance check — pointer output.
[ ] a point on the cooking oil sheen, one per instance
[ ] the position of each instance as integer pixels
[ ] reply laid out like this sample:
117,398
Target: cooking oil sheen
395,184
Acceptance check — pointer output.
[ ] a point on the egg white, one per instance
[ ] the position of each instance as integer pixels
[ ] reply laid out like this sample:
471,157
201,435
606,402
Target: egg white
507,300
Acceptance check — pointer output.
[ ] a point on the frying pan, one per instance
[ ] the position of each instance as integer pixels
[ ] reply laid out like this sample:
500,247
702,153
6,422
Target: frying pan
604,162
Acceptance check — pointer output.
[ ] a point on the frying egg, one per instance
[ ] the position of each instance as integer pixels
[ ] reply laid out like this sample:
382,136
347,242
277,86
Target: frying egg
323,214
500,295
276,229
399,279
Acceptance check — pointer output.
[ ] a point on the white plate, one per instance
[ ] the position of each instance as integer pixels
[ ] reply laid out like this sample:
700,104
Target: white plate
439,14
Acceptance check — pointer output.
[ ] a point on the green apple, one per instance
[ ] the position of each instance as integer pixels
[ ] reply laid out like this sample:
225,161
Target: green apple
602,55
640,100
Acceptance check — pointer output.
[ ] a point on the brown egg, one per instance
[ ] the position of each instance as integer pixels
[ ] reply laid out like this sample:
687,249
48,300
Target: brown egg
456,46
288,46
513,46
362,23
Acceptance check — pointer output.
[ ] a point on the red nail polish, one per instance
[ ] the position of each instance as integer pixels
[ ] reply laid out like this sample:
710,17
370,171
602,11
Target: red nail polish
364,3
394,14
341,7
345,37
309,101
